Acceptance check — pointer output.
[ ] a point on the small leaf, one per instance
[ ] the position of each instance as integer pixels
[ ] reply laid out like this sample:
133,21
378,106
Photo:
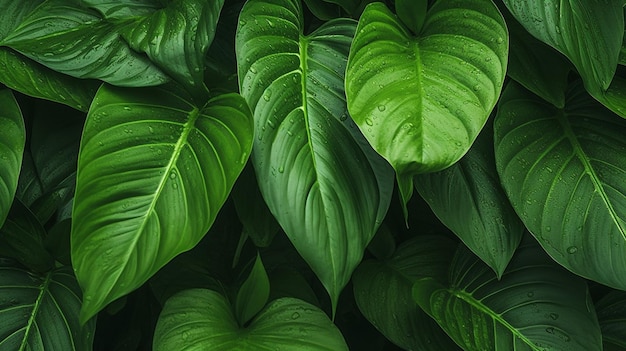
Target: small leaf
382,290
12,142
253,293
285,324
41,312
612,318
536,305
563,171
468,199
412,13
153,171
422,100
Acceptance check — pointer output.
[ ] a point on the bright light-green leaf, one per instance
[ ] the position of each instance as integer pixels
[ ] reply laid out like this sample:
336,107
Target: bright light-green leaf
253,293
422,100
536,305
612,317
41,312
325,185
210,324
153,171
589,33
468,199
563,171
382,290
12,142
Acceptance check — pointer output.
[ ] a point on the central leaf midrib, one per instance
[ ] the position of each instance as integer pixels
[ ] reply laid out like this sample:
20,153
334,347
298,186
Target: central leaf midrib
31,320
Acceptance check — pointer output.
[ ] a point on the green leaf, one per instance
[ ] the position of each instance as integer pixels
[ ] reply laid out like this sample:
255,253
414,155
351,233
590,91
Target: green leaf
536,305
614,97
323,10
253,293
177,38
468,199
412,13
349,5
12,142
563,171
41,312
21,238
57,241
153,171
324,184
589,33
421,101
382,290
210,324
74,40
123,8
612,318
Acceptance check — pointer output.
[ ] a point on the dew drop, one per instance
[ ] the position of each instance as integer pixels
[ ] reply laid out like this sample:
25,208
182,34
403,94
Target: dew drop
126,108
381,108
369,122
295,315
476,87
343,117
554,316
572,250
499,40
267,95
253,70
173,175
151,130
548,229
185,335
242,22
530,294
281,169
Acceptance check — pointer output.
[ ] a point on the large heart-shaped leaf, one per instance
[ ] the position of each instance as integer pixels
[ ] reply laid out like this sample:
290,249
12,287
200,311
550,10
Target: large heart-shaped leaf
563,171
325,185
210,324
468,199
536,305
72,39
153,171
12,142
612,318
422,100
589,33
41,312
382,290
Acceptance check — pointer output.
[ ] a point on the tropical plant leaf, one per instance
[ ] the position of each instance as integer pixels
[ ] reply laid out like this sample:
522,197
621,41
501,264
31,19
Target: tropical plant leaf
468,199
12,142
614,97
177,38
422,100
29,187
612,318
324,184
536,305
154,170
589,33
285,324
124,8
382,290
72,39
253,293
412,13
41,312
323,10
349,5
563,171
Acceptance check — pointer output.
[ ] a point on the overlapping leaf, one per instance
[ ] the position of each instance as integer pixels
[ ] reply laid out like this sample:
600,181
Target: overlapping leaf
563,171
12,141
284,324
468,199
612,318
41,312
422,100
327,188
154,170
382,290
536,305
589,33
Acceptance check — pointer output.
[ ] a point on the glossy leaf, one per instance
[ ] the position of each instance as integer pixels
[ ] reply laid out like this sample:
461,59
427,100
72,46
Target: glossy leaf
382,290
563,171
154,170
74,40
612,318
536,305
12,142
285,324
589,33
422,100
177,38
41,312
614,97
324,184
468,199
253,293
124,8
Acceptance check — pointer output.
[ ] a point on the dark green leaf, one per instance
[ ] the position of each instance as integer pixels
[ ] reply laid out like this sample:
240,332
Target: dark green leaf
324,184
536,305
253,293
323,10
57,241
41,312
468,199
563,171
421,101
210,324
382,290
12,141
612,317
154,170
412,13
124,8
